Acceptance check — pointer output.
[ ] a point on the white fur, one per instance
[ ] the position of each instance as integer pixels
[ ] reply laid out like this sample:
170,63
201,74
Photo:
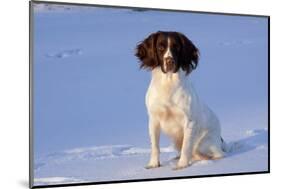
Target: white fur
174,107
168,52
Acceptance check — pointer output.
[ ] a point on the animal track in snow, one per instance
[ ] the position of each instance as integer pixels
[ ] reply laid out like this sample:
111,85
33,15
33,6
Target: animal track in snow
65,53
251,133
236,43
96,153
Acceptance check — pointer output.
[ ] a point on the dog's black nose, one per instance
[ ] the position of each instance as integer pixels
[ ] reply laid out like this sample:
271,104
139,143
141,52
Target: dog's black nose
170,61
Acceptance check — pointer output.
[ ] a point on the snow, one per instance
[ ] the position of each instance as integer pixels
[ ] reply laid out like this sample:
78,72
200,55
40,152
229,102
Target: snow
122,162
65,53
55,180
90,121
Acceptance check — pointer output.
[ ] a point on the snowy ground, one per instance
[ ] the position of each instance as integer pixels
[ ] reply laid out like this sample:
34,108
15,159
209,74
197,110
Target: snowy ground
90,121
123,162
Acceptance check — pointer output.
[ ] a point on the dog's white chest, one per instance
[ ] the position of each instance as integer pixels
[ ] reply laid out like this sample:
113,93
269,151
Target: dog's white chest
171,119
167,90
168,102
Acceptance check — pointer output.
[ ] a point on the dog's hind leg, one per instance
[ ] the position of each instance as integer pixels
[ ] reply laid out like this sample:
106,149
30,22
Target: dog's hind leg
209,148
216,152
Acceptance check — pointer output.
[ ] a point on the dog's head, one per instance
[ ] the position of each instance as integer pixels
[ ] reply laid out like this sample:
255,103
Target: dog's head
169,50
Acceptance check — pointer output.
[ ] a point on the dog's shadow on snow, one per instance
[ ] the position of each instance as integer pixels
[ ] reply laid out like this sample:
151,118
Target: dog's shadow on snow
255,139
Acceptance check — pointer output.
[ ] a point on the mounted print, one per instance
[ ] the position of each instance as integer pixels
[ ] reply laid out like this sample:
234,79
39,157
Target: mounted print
122,94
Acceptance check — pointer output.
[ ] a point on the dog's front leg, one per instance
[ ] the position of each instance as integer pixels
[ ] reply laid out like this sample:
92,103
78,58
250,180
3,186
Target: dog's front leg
154,132
187,145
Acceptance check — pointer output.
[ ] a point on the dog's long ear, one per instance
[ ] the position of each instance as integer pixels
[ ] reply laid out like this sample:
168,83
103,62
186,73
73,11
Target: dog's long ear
146,52
189,54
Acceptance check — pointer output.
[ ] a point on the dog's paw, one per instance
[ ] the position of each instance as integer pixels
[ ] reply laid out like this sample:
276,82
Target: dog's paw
152,165
179,167
182,163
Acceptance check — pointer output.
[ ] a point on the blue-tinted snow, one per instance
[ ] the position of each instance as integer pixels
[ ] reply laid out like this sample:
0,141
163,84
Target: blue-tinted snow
89,91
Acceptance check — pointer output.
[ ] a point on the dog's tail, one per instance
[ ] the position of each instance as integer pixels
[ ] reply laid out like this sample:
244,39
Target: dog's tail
224,146
229,147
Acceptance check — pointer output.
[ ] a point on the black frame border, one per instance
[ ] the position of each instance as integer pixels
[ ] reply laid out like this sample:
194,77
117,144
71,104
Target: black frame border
31,50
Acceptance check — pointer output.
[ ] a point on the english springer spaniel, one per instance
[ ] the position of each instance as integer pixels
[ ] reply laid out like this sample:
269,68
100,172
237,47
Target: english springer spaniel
172,103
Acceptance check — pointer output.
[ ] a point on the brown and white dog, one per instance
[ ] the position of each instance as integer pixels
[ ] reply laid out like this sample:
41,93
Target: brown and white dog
172,103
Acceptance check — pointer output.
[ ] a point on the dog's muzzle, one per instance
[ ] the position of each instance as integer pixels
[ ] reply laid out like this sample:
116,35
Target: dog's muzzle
169,64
